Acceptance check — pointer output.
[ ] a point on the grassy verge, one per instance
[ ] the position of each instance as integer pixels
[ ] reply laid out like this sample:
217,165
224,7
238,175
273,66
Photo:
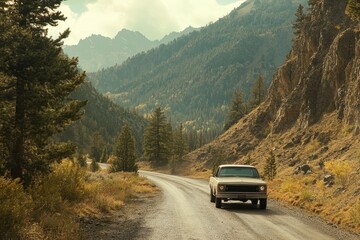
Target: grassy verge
52,207
338,203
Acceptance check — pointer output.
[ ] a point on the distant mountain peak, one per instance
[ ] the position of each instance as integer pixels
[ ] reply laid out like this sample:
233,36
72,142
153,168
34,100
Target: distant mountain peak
97,52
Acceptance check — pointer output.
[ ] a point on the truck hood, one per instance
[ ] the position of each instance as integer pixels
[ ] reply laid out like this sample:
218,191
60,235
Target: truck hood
239,180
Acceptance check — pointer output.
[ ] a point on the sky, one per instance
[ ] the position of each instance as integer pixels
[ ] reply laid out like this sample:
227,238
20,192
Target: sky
153,18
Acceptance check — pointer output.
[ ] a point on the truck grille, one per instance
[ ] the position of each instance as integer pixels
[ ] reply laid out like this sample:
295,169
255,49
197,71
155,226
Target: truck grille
239,188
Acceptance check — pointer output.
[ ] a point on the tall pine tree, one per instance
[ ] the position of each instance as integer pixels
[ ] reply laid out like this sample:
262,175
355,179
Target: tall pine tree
39,79
125,151
157,139
298,26
237,111
258,91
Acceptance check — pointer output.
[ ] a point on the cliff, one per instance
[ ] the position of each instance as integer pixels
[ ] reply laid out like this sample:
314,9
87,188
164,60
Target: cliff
312,117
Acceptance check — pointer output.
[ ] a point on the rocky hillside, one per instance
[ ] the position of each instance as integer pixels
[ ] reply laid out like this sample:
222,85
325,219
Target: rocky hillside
310,121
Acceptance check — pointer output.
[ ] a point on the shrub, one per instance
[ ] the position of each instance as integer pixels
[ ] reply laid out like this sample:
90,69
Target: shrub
65,183
355,212
52,194
341,171
14,209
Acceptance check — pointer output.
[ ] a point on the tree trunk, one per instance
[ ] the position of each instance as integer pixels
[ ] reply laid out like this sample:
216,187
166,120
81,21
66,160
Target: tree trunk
17,154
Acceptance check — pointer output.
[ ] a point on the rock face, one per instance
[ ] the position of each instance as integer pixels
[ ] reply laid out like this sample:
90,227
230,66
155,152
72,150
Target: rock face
319,78
321,73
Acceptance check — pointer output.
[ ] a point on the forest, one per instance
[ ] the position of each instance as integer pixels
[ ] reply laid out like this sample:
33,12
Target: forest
194,77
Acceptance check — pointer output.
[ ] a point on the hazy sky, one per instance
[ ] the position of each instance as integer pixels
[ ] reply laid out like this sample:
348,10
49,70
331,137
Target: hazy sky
153,18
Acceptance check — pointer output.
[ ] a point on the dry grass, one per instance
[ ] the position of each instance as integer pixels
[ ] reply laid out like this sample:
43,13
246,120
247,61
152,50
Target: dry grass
52,206
109,192
339,203
335,203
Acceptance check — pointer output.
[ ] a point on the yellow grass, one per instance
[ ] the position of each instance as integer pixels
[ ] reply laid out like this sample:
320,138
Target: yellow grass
50,209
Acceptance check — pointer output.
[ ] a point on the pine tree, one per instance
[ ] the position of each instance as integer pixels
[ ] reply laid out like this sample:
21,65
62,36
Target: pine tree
97,146
157,138
125,151
81,159
179,143
270,166
104,155
39,80
258,92
299,22
237,111
94,166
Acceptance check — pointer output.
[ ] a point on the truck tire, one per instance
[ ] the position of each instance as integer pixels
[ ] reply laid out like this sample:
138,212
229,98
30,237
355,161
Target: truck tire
212,197
217,202
263,203
254,201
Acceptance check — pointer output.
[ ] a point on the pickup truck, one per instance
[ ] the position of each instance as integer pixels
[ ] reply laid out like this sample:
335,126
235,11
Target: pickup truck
237,182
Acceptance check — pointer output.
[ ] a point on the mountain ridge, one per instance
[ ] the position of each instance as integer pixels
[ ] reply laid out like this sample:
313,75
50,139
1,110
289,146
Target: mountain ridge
97,52
205,67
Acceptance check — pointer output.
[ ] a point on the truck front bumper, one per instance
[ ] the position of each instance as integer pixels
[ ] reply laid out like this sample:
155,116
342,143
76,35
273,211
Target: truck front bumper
241,195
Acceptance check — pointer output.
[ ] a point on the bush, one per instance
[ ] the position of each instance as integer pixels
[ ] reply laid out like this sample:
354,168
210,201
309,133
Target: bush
51,195
14,209
65,183
341,171
355,212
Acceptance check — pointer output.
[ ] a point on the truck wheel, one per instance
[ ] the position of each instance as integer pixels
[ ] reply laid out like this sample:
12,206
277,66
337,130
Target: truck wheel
217,202
212,197
254,202
263,203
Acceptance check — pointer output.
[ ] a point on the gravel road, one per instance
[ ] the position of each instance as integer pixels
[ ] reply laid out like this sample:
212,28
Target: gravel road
184,211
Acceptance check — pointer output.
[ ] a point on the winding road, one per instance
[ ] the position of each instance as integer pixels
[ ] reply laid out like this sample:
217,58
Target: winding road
184,211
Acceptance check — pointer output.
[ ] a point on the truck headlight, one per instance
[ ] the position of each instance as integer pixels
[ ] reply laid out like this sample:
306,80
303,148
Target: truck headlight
262,188
222,188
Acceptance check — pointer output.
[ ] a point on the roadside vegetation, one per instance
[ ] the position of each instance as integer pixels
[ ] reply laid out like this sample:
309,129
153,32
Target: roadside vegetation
53,206
333,197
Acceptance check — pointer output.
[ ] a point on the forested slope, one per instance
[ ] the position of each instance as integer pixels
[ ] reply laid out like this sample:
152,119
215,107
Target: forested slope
103,117
194,76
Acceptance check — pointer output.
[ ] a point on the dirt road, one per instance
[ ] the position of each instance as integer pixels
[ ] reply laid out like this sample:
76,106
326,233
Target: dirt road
184,211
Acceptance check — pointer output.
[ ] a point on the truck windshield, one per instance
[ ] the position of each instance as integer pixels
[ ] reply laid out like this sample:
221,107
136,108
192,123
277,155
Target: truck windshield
238,172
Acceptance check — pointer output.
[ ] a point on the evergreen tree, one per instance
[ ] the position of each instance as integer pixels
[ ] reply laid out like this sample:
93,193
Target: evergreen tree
97,147
81,159
94,166
39,79
125,151
353,9
237,111
104,155
299,22
179,143
258,92
157,138
270,166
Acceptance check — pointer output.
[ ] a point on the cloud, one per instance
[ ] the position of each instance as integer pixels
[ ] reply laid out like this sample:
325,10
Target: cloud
153,18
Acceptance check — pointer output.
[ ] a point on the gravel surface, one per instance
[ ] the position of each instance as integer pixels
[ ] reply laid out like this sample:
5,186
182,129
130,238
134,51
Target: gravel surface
124,224
183,211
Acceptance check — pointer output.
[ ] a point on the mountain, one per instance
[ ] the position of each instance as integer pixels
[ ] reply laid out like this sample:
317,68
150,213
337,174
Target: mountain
97,52
104,117
194,76
310,121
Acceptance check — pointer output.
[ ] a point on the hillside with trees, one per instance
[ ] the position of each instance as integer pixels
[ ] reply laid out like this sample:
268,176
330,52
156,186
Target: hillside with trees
194,76
101,123
305,136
